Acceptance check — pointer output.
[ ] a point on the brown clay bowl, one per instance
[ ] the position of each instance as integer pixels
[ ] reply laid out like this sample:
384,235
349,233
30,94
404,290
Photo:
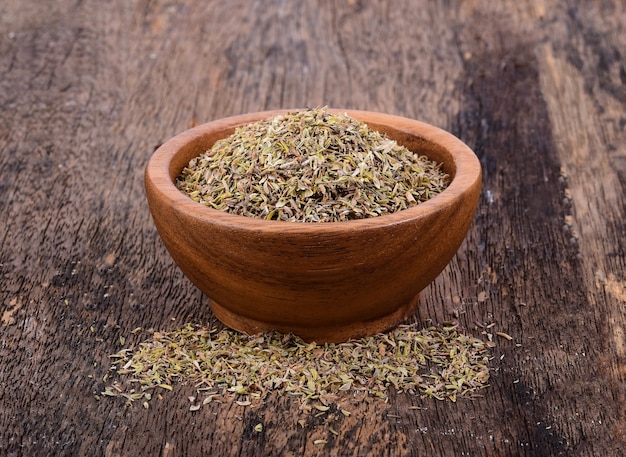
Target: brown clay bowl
328,281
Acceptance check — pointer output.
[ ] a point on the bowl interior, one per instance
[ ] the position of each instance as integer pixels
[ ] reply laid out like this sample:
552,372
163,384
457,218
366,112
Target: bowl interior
424,139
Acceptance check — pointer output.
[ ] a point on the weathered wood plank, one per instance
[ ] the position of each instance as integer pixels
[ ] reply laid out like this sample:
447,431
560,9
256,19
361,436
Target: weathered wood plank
538,89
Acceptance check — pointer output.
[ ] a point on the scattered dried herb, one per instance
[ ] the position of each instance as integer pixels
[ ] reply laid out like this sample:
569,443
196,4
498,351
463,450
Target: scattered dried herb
442,363
310,166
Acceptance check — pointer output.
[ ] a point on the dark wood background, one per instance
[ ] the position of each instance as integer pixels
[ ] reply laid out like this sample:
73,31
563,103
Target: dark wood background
537,88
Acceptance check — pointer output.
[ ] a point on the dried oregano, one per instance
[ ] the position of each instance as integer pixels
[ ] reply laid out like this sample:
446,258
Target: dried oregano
310,166
438,362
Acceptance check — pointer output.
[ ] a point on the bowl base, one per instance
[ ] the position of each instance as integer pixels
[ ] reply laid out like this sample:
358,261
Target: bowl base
326,334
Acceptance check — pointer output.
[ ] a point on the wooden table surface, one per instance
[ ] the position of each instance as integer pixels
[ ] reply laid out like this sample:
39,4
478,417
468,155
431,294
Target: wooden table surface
537,88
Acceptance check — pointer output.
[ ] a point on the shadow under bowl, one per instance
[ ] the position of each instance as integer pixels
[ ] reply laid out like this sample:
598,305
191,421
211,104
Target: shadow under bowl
327,281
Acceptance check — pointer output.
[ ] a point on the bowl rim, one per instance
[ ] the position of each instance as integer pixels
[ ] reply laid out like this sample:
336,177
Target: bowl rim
158,174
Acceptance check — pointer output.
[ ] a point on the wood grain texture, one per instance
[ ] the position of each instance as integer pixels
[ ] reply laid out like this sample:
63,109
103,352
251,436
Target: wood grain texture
538,89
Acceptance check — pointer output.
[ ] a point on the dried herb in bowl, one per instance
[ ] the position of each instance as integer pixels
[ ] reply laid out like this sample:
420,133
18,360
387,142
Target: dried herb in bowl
310,166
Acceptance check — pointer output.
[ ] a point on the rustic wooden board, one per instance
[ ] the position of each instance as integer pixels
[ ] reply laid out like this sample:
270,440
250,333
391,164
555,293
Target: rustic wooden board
538,89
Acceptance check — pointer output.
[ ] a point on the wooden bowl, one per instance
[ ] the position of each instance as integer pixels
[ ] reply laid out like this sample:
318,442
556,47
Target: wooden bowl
327,281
